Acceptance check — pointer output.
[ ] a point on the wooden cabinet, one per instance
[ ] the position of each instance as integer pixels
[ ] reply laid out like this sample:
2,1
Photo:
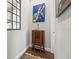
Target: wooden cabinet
38,39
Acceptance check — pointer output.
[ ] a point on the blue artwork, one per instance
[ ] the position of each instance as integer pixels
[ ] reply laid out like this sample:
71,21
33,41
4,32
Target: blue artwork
39,13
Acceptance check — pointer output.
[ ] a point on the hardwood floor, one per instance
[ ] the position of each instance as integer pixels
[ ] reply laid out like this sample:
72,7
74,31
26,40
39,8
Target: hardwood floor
36,52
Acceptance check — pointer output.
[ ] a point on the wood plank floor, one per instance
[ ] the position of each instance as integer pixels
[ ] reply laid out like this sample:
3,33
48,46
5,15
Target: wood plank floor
45,54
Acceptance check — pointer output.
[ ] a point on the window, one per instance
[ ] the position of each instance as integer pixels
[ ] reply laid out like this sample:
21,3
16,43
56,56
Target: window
14,14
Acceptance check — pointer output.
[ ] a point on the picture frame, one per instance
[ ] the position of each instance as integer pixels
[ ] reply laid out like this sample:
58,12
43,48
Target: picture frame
61,6
39,13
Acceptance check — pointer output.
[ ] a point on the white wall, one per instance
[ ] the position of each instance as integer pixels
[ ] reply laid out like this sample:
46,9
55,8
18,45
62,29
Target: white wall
17,40
42,25
63,35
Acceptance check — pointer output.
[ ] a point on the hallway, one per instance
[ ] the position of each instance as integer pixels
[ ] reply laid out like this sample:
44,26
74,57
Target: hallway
39,23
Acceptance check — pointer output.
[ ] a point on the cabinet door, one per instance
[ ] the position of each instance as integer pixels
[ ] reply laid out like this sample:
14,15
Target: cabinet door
33,37
37,36
42,37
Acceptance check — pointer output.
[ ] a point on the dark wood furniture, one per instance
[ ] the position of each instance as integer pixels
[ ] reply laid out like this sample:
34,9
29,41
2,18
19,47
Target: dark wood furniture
38,39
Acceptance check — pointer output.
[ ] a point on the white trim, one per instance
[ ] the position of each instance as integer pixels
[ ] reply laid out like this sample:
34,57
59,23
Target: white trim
52,51
21,53
48,49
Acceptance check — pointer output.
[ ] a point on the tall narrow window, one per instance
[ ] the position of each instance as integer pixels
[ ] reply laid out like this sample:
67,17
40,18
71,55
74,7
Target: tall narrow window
13,14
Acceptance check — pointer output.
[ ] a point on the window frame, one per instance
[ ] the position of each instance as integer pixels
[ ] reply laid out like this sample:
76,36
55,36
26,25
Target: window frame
12,13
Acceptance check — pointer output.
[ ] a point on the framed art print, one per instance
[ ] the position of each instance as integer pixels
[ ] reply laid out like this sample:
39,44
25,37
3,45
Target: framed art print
61,6
39,13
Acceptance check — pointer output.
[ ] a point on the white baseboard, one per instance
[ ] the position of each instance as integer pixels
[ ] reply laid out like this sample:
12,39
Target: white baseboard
21,53
52,52
48,49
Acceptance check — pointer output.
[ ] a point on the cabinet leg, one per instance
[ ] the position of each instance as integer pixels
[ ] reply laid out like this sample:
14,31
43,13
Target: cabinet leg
33,47
40,48
44,48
